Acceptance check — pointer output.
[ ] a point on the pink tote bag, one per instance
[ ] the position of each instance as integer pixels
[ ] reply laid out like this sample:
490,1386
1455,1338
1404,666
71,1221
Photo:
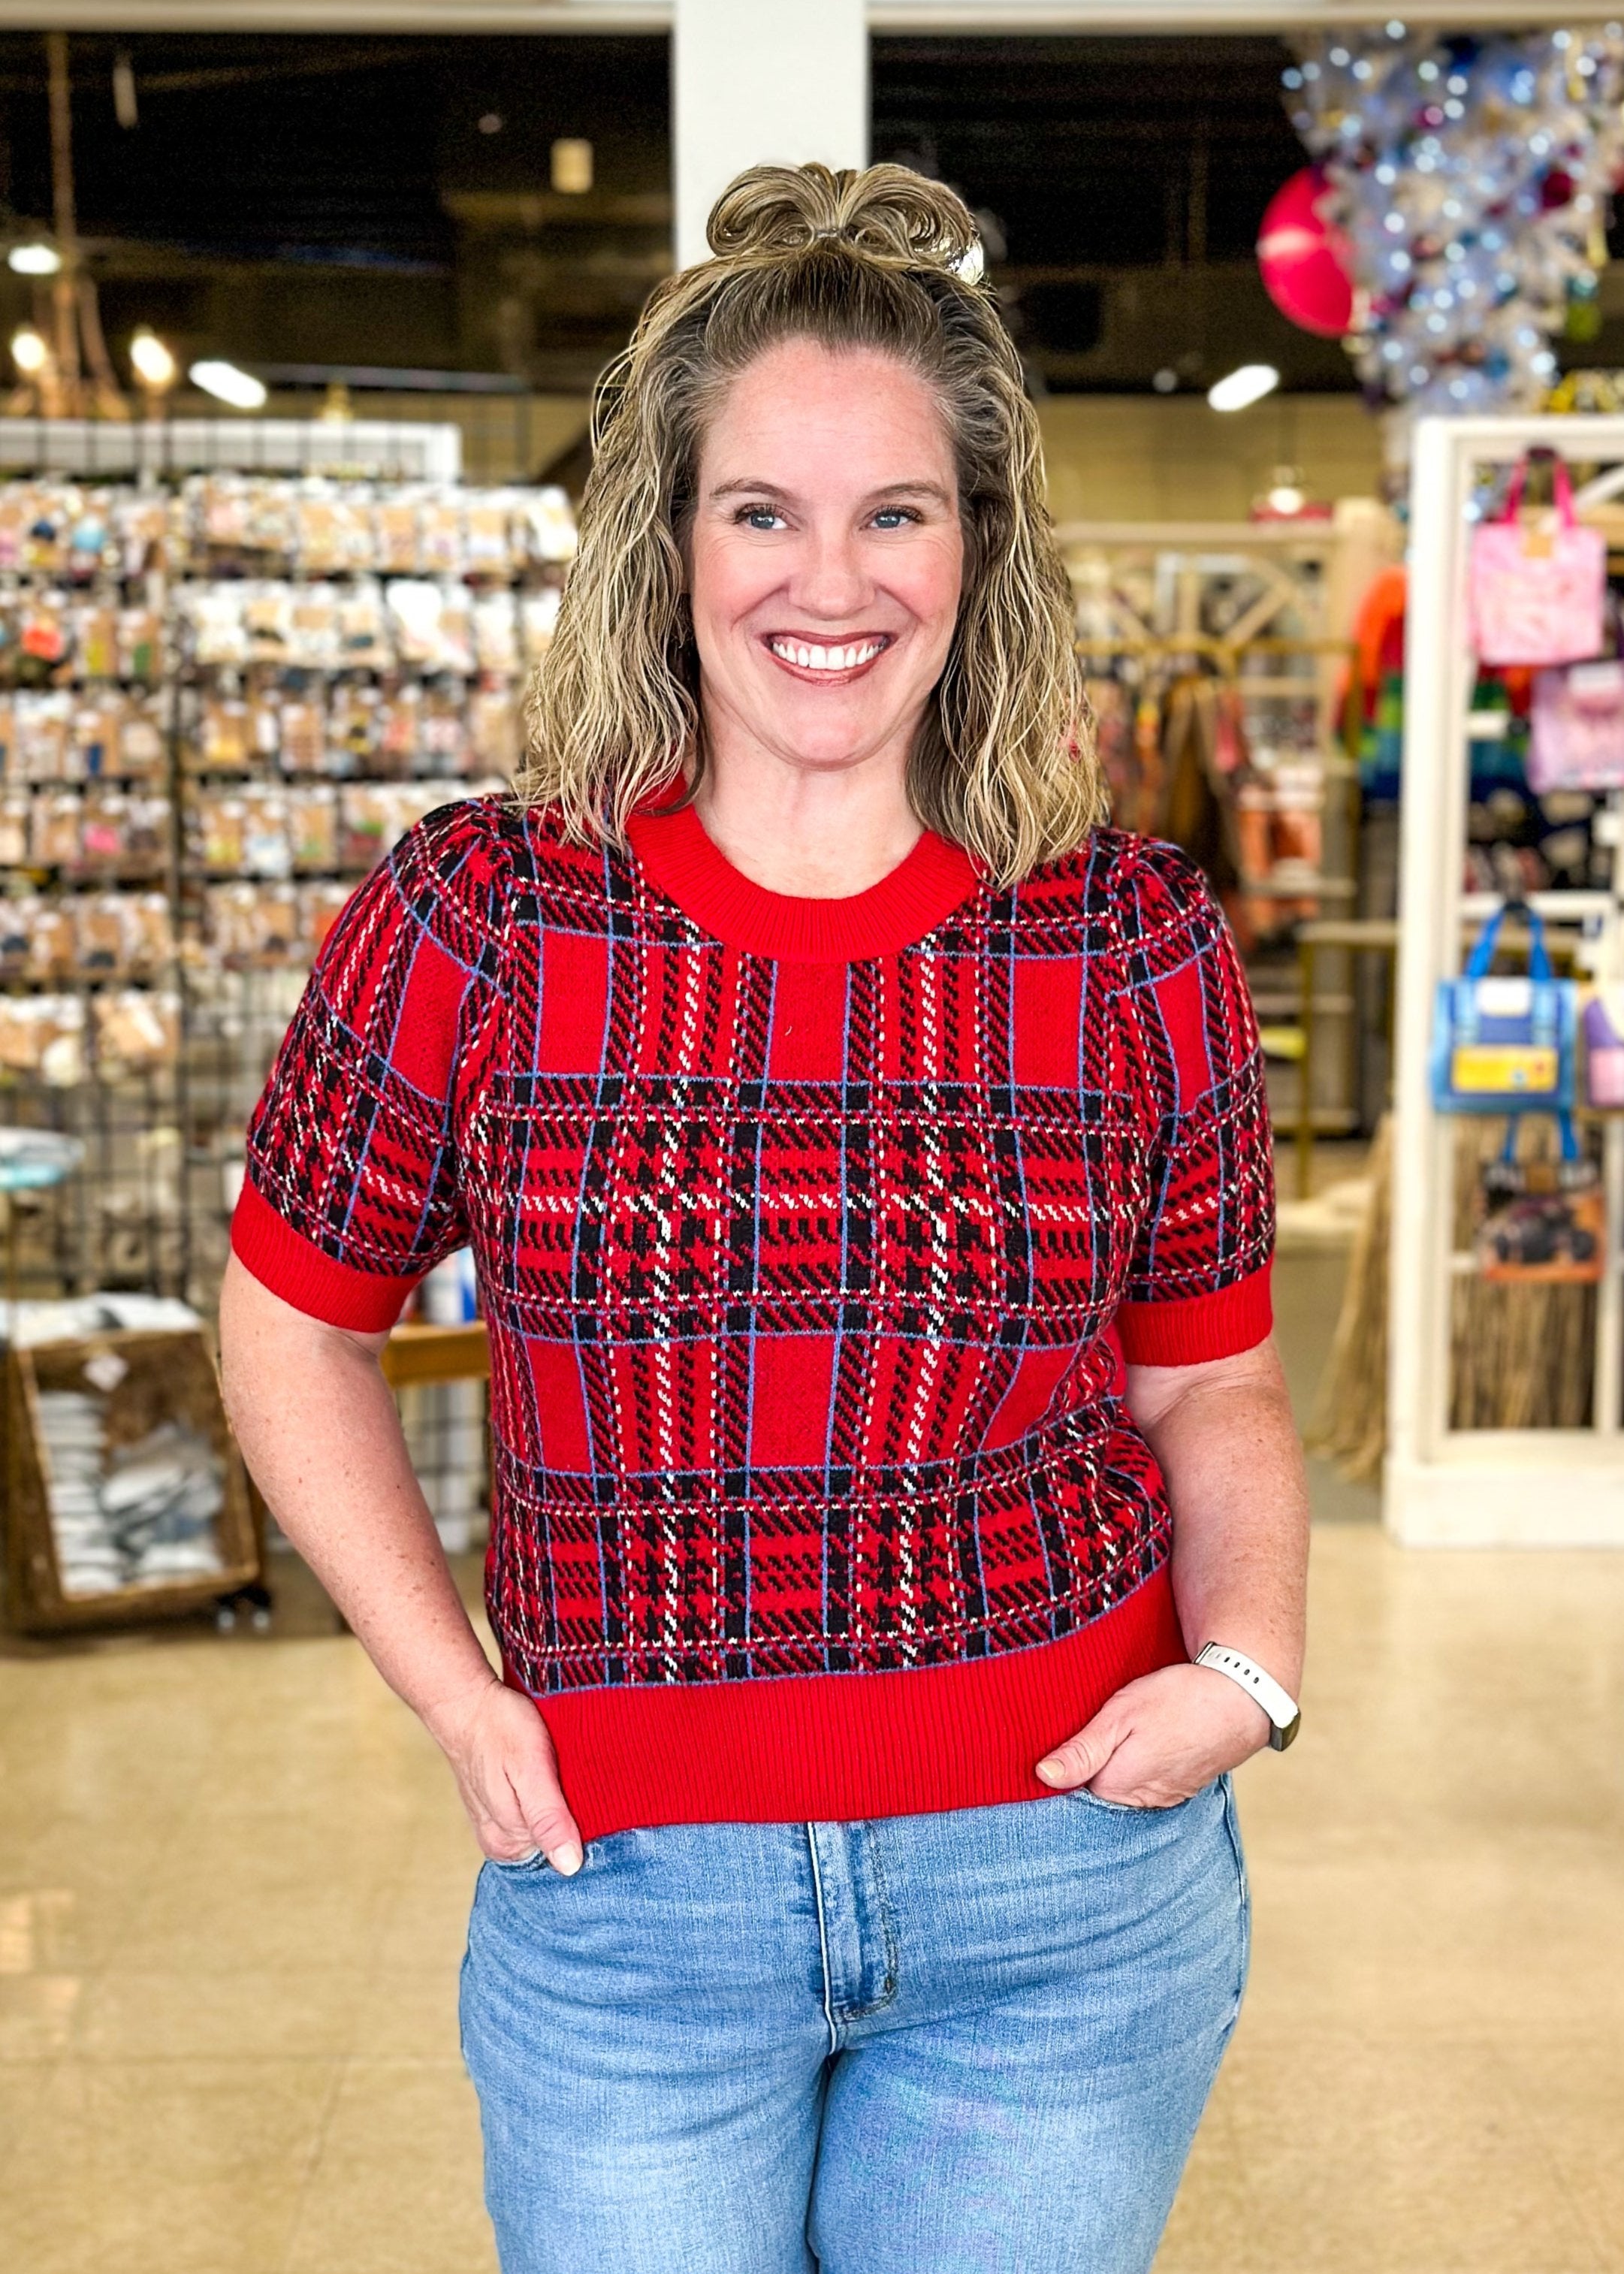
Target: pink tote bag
1576,729
1536,596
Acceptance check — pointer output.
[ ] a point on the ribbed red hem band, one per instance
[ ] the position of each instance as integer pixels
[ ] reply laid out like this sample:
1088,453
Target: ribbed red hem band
1235,1318
294,1269
839,1747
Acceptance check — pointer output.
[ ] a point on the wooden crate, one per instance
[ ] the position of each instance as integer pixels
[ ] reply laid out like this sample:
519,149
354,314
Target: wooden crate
166,1377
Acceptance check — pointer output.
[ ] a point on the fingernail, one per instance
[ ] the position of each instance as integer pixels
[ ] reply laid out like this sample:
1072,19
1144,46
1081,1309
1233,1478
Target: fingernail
567,1859
1051,1772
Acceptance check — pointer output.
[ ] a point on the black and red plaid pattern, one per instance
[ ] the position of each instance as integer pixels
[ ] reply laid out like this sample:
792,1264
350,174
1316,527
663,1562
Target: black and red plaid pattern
799,1271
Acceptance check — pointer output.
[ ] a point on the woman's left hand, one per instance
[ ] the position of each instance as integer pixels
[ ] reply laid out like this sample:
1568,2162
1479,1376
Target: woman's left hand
1160,1739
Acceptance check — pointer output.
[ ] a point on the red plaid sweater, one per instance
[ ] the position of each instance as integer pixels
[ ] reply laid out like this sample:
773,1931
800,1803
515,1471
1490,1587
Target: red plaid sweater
802,1228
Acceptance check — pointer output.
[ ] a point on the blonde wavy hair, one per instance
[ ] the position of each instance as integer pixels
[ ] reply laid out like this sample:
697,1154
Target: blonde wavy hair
885,259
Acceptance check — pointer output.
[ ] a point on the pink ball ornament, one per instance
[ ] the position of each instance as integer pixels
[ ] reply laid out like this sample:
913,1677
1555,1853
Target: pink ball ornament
1304,260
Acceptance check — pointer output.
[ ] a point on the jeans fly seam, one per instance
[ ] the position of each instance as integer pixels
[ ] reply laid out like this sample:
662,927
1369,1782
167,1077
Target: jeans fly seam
888,1930
822,1938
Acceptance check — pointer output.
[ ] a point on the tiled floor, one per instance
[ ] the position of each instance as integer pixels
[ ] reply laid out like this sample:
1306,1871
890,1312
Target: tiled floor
233,1881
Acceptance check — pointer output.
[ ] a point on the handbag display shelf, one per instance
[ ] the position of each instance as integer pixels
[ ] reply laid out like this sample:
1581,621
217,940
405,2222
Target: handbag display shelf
122,1437
1505,1406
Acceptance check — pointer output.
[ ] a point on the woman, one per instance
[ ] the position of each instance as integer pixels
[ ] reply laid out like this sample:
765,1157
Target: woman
831,1109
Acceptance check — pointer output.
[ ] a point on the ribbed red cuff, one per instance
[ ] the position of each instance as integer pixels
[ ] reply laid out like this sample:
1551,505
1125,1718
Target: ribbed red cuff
298,1270
1201,1327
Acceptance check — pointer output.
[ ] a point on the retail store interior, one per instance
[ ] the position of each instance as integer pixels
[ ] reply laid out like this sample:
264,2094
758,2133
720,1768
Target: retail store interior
303,323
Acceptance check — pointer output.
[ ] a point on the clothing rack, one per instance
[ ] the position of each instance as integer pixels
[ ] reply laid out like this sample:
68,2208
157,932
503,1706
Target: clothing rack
1320,1039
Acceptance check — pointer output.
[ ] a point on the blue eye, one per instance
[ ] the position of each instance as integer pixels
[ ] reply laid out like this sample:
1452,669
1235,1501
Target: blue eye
759,516
894,516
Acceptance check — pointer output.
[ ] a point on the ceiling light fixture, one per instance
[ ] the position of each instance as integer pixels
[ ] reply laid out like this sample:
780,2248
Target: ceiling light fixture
29,351
126,110
152,363
1238,389
35,258
227,384
572,166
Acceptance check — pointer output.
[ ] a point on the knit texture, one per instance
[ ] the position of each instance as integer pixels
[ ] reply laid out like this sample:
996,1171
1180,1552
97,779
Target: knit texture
802,1228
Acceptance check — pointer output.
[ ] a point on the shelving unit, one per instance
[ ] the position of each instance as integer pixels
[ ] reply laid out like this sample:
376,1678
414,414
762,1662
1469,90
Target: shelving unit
253,667
1445,1486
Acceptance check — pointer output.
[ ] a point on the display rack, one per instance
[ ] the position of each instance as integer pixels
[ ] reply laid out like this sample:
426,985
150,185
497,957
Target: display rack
151,450
227,693
1269,607
1446,1486
237,658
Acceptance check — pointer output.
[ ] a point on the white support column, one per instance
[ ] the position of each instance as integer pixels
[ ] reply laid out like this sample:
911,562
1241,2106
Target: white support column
762,82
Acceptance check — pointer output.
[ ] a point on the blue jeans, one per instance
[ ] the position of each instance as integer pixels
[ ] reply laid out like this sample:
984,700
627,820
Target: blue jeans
925,2045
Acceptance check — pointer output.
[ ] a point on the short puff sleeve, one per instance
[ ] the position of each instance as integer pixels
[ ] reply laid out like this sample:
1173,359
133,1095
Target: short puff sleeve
353,1188
1198,1284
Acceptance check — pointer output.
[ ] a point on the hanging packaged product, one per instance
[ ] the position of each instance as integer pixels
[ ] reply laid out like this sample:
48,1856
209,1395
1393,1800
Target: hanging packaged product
1604,1048
1543,1220
1576,729
1537,595
1504,1044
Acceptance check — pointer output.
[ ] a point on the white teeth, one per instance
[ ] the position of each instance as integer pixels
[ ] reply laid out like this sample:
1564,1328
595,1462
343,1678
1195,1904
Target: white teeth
809,657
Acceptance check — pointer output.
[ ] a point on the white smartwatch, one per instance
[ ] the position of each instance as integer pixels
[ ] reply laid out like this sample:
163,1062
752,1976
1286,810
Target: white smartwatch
1285,1716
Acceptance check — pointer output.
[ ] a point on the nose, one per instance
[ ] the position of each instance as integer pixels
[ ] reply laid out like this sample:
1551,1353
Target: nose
831,583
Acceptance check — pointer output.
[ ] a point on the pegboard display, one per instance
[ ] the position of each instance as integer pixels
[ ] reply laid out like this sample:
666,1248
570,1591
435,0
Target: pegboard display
223,697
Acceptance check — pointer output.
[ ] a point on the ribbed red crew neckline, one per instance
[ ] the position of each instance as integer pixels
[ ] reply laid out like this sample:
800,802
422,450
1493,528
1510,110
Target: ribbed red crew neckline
891,915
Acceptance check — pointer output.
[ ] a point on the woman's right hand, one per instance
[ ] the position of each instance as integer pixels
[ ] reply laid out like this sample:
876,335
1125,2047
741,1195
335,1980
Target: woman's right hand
506,1773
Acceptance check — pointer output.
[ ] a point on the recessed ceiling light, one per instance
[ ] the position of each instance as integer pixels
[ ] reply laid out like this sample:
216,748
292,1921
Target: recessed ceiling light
572,166
153,365
35,259
491,122
227,384
1237,388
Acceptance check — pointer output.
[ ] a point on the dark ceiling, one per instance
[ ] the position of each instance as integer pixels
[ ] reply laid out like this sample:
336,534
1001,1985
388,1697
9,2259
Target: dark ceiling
333,202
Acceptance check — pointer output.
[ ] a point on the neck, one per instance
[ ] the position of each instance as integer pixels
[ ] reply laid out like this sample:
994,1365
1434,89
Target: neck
815,833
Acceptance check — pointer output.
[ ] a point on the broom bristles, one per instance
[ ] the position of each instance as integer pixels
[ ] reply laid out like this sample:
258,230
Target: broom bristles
1520,1354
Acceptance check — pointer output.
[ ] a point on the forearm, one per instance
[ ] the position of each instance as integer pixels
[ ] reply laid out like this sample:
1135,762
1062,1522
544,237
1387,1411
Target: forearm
319,1428
1228,1452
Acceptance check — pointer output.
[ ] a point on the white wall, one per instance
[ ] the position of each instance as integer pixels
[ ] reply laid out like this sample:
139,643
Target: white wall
1138,458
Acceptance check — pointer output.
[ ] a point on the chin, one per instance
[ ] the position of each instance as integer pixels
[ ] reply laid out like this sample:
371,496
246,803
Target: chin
826,751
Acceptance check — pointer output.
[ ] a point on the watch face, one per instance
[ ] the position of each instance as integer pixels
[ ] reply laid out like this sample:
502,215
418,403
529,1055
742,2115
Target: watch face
1281,1738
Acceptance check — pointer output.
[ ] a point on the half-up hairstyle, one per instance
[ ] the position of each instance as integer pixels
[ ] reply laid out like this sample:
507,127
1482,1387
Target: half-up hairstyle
882,260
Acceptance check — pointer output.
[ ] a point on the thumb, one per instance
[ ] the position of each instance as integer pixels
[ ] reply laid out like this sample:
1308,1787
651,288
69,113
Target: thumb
1085,1755
555,1830
546,1815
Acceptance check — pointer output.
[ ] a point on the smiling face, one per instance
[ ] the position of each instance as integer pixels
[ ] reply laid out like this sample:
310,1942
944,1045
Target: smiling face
825,558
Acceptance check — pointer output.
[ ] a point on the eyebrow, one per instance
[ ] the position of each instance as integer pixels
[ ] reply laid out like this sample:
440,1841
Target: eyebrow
748,488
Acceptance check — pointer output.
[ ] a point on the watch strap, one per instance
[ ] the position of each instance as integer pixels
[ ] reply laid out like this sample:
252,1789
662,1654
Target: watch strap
1285,1716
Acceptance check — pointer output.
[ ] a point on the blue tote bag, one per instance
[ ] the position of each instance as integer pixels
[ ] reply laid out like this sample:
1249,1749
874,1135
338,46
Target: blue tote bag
1504,1044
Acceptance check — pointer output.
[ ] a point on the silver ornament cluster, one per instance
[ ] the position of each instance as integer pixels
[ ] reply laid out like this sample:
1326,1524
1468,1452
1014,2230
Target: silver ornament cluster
1470,176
